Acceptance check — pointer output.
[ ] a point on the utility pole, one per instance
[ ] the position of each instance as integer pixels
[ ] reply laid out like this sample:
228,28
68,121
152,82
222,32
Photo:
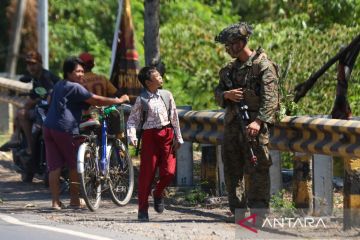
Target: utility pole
43,33
15,39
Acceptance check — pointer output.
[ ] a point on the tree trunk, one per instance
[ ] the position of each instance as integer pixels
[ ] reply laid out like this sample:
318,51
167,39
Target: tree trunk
151,35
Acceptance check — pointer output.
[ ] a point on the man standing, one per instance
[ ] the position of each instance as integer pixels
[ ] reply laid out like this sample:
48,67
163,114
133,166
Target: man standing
248,85
96,83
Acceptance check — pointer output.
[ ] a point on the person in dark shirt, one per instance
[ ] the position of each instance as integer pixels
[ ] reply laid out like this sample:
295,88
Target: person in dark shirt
67,101
39,77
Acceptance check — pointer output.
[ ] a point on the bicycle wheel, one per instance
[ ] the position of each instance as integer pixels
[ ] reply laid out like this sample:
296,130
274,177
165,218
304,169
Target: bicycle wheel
90,183
121,175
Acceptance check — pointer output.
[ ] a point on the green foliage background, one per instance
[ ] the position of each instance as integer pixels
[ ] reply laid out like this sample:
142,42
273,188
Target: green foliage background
307,33
77,26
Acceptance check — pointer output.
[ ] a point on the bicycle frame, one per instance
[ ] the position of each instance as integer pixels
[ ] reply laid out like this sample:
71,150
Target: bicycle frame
102,142
101,160
105,148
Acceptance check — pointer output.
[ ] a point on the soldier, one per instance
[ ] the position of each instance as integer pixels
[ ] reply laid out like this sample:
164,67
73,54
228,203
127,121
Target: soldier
251,78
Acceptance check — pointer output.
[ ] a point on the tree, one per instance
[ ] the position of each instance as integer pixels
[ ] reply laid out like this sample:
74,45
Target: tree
151,32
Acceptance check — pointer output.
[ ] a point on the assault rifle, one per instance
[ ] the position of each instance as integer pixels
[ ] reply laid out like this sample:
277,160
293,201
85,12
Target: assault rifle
244,121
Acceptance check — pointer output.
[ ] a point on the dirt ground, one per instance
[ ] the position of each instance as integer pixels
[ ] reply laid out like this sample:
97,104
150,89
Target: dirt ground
177,222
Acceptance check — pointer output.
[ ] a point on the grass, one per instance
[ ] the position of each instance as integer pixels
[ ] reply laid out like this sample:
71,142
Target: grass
282,203
187,196
196,196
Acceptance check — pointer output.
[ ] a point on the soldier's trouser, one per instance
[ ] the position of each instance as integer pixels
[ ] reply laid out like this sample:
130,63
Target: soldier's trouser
247,185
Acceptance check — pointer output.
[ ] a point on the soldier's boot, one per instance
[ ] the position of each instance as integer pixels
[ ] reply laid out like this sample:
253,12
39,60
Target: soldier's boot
260,215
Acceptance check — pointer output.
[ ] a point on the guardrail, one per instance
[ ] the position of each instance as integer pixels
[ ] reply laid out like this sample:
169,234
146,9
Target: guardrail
319,136
202,126
10,90
296,134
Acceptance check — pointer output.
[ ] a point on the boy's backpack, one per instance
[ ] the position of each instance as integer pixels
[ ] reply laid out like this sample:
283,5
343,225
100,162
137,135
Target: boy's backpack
144,96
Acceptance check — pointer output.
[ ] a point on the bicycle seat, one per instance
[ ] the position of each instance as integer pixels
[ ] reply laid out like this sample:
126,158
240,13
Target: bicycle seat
90,123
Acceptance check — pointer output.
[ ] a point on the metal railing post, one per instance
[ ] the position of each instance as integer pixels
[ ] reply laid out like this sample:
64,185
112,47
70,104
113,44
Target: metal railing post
351,193
208,175
301,181
184,165
5,118
275,172
322,185
185,161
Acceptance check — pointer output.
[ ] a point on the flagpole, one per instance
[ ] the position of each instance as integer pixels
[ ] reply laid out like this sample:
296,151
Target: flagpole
116,36
43,32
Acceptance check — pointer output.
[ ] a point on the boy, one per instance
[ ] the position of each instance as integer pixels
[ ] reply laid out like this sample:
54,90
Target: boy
154,113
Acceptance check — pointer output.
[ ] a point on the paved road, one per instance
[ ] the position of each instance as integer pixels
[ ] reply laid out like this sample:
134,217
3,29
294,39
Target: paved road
32,227
33,201
25,214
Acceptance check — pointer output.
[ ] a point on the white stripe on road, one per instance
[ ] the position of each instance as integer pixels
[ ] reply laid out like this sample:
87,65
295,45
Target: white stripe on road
15,221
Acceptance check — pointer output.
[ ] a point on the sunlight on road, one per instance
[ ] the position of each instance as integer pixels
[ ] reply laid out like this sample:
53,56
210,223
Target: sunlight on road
15,221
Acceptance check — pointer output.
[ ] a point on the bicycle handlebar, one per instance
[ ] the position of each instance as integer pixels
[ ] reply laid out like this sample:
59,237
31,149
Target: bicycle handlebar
106,110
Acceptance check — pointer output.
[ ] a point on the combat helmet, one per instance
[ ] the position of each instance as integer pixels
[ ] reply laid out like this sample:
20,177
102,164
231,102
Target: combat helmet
234,32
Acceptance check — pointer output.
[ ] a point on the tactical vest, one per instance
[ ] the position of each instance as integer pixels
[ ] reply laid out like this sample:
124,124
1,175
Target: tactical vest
145,98
249,78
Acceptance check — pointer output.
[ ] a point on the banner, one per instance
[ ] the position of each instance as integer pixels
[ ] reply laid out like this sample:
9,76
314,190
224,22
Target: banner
125,59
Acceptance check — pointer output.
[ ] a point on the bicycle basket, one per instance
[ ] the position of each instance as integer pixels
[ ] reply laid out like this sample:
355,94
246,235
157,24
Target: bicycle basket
116,122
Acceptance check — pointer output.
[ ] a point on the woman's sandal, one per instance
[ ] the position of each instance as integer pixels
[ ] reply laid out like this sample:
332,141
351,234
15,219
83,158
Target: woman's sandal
57,208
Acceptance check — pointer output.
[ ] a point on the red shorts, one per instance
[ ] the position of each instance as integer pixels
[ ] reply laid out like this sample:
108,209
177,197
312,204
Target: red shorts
60,148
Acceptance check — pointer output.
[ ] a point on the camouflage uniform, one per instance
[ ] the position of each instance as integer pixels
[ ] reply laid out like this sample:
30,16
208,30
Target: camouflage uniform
247,185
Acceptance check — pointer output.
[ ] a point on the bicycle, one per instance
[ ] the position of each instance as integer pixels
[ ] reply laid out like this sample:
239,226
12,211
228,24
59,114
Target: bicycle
103,161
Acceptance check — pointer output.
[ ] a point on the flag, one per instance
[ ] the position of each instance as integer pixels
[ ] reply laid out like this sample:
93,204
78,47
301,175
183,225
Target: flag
125,59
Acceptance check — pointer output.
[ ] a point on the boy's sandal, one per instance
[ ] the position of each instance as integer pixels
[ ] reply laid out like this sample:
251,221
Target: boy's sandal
81,206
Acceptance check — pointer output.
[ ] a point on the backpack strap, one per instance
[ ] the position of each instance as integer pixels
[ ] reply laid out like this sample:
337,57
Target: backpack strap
259,58
145,98
144,101
260,54
165,96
